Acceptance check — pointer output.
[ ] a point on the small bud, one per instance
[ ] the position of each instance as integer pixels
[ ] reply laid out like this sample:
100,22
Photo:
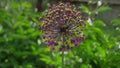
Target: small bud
68,4
72,41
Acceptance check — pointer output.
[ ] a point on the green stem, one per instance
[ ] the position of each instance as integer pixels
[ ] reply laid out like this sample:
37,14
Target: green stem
63,58
63,52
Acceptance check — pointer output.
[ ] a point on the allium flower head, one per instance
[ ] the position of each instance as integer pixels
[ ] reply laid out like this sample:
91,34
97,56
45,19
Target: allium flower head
63,24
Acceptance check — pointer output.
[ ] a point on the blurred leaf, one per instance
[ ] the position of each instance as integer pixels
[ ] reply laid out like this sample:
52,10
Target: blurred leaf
98,23
84,66
101,52
84,8
26,5
14,5
47,59
116,22
103,9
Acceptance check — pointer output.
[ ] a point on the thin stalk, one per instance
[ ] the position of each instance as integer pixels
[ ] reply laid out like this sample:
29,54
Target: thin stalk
63,53
63,58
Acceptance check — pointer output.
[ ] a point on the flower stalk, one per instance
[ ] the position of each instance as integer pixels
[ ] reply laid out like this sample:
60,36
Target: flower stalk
62,58
63,53
63,24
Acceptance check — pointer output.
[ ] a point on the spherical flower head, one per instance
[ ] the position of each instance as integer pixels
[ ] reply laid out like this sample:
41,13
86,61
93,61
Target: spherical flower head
63,23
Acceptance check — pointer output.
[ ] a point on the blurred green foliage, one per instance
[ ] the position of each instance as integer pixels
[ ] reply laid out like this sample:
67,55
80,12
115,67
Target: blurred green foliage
22,47
19,38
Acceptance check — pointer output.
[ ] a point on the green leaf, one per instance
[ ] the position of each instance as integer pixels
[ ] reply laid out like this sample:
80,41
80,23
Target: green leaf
46,58
101,51
103,9
26,5
84,8
99,23
116,22
84,66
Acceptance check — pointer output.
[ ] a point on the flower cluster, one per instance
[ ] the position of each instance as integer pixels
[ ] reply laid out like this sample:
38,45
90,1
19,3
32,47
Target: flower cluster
63,26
